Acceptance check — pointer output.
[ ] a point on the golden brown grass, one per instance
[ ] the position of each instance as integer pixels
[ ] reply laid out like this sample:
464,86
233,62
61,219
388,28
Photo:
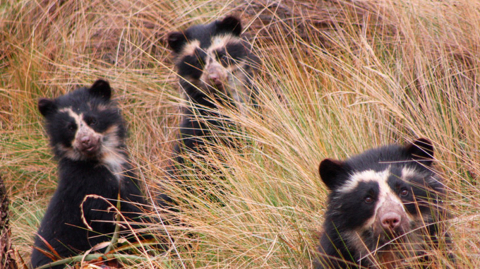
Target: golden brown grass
338,77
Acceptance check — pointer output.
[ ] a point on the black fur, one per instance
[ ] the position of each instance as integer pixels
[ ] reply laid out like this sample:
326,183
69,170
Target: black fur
85,171
347,211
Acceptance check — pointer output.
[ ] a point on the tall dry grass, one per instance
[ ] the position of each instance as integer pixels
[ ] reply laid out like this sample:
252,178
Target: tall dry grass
338,77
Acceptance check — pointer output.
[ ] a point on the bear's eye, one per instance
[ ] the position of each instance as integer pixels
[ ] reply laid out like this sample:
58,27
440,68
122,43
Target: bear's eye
225,60
92,122
71,127
368,200
403,192
198,58
199,61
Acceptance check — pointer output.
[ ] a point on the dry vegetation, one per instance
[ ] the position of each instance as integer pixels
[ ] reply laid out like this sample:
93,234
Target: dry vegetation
338,77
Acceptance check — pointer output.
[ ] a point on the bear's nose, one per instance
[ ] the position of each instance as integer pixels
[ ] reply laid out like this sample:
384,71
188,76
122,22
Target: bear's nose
391,220
85,140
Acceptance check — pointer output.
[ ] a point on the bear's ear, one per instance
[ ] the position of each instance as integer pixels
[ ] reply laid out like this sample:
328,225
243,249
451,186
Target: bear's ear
331,172
229,24
46,106
176,40
101,89
421,150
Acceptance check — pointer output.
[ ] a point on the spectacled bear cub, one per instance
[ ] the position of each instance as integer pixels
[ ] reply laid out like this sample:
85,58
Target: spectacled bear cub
384,205
214,63
87,134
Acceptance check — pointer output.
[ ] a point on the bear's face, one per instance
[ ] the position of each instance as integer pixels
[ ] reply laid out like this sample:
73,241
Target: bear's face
212,57
84,124
383,196
382,205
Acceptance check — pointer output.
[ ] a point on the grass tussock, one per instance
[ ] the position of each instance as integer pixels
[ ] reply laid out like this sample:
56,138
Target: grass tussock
337,77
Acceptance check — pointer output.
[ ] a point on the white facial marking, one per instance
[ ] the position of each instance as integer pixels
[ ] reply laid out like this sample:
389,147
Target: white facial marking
190,47
408,172
386,194
219,42
364,176
71,113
